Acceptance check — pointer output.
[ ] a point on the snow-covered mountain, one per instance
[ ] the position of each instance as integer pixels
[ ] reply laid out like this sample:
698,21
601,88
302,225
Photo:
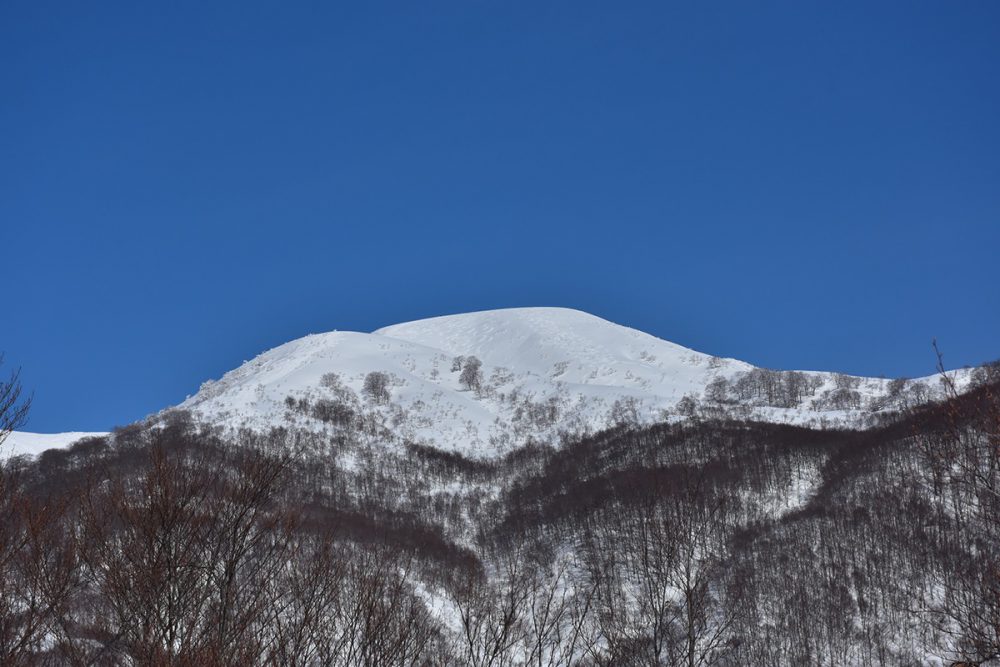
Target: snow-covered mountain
788,507
543,372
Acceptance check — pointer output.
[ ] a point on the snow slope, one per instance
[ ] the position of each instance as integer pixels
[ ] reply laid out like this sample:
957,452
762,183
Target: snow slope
22,443
545,371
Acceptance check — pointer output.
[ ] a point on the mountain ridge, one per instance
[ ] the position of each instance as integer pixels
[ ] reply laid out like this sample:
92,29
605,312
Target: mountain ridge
543,372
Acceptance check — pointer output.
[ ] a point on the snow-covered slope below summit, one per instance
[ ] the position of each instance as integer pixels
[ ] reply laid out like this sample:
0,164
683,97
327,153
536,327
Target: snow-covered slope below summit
566,346
545,371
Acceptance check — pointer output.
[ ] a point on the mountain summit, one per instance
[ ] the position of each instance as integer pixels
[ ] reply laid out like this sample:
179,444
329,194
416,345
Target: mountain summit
488,381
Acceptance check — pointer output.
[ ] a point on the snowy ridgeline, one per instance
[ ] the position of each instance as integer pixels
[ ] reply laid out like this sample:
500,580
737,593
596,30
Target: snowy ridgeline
484,383
22,443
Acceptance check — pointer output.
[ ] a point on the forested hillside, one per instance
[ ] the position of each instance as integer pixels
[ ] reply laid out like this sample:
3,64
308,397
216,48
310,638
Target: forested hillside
712,541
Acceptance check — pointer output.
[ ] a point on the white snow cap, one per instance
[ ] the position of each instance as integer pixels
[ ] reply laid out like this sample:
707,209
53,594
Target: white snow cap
545,371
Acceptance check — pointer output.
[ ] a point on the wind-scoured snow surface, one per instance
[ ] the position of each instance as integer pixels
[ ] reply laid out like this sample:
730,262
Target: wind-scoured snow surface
545,372
22,443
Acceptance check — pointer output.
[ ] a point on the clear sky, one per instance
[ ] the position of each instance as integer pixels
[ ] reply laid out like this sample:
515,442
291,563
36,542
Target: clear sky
186,184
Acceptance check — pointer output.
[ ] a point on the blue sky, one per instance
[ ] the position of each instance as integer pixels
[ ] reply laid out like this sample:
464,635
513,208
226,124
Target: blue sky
182,186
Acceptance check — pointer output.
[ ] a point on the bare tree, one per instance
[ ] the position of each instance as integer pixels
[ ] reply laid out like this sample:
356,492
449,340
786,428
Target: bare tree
656,567
557,620
13,406
472,374
965,462
180,559
376,387
37,571
717,391
309,588
35,565
378,620
492,609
